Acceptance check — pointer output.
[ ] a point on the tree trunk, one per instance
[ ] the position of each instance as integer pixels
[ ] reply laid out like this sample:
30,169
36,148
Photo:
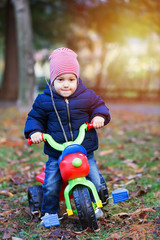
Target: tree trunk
9,87
100,87
25,54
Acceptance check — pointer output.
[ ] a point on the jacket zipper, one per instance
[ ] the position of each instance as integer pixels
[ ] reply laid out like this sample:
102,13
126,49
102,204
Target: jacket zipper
69,117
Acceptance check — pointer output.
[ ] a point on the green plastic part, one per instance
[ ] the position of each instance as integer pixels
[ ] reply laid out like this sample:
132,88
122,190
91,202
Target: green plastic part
77,162
53,143
81,134
61,147
79,181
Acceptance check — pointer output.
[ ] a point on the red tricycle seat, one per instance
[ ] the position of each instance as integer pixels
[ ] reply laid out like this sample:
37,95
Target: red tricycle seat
40,177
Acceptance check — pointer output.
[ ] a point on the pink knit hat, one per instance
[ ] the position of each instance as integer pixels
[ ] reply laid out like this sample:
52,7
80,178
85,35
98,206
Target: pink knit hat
63,60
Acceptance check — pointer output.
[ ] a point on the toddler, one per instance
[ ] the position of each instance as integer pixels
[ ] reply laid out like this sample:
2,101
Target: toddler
63,107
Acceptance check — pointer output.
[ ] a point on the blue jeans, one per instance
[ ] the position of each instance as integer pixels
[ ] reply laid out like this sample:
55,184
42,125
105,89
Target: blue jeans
53,181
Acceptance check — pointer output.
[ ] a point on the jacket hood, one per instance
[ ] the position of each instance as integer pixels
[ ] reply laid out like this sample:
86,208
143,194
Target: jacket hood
81,88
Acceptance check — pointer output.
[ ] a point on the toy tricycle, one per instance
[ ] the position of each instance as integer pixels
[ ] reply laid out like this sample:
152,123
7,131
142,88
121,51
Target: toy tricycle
74,168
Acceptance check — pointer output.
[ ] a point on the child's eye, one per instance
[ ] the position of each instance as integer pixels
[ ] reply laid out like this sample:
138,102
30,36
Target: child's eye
72,79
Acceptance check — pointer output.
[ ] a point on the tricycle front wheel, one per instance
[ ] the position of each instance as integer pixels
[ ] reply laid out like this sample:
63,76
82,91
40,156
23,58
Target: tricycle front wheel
84,207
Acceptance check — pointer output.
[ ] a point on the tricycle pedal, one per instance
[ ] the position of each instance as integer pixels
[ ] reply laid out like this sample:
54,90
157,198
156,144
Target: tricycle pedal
120,195
51,220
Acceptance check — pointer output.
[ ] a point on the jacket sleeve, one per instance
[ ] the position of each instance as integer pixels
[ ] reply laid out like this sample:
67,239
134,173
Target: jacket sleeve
98,108
37,118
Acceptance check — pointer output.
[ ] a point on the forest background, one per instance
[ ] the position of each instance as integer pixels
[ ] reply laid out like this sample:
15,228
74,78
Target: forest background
117,42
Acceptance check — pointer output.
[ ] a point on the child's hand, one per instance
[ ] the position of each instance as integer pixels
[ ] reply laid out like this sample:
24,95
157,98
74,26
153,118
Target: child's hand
37,137
98,122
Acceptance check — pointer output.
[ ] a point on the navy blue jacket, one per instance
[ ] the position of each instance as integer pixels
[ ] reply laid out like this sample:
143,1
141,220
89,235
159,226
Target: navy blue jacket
83,105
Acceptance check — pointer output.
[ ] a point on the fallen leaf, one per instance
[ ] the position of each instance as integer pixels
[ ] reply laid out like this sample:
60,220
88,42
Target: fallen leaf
6,206
11,230
16,179
139,170
127,183
122,215
16,238
5,193
14,143
132,165
4,179
138,175
141,192
3,140
138,212
115,236
2,229
85,231
6,235
60,233
3,214
156,154
106,152
143,215
157,194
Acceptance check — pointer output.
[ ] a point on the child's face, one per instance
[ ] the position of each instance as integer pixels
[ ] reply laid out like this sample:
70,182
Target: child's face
66,84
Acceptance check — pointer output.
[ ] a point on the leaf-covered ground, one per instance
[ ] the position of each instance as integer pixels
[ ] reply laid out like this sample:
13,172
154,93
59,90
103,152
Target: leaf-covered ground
128,156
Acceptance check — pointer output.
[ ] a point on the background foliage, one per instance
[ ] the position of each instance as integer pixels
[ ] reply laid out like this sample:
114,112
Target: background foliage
117,42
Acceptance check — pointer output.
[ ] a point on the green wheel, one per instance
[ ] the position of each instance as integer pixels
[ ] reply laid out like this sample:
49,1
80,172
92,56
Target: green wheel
84,207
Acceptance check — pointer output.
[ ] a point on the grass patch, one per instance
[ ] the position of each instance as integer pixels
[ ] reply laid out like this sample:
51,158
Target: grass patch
128,156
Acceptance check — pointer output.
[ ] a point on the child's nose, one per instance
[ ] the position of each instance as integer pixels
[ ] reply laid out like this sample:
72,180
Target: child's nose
66,83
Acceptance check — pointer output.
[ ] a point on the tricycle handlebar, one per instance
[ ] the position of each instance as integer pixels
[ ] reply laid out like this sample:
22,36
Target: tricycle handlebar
60,147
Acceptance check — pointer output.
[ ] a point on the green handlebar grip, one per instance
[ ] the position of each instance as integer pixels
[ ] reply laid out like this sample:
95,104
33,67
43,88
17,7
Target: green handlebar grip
53,143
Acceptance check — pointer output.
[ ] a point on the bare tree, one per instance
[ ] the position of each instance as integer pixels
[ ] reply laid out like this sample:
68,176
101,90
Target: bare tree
25,53
18,80
9,88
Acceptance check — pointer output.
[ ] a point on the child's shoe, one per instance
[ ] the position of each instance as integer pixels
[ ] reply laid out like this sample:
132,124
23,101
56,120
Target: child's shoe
98,213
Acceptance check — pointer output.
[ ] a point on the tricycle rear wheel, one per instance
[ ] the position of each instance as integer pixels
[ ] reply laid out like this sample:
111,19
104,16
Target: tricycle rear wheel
35,196
84,207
